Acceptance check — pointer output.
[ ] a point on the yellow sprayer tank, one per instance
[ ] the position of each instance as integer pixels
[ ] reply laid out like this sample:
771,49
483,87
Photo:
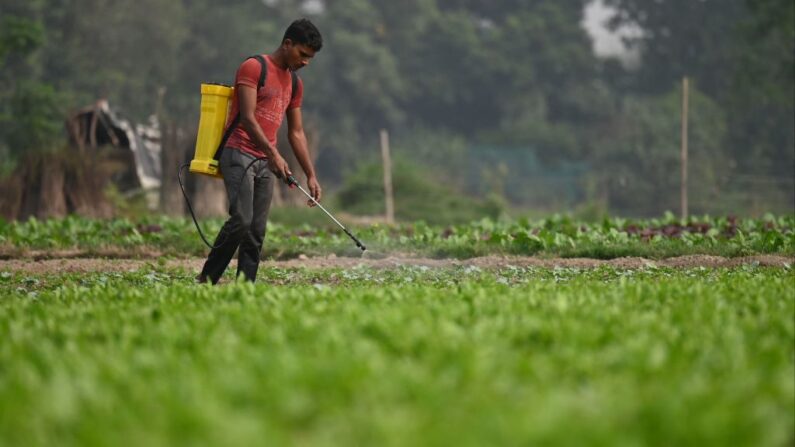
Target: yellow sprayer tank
212,120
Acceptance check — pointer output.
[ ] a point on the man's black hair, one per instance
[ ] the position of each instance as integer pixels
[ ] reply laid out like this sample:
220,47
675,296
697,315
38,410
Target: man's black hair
303,32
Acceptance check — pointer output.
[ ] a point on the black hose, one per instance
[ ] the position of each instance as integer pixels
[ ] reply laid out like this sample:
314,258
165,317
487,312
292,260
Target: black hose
190,207
290,180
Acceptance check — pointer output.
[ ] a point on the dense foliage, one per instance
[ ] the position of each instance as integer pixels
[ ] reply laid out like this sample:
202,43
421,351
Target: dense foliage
501,73
557,236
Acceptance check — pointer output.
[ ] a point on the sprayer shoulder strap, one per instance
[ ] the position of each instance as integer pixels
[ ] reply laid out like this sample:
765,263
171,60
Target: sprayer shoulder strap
236,121
261,83
294,75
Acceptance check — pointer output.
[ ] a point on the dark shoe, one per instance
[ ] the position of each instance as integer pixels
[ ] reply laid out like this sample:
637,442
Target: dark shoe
202,279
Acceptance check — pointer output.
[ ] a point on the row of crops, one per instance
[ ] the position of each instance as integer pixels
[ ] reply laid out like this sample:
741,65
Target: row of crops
554,236
405,356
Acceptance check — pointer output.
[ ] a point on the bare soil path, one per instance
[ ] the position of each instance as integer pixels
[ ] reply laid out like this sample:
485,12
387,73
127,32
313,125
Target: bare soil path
78,265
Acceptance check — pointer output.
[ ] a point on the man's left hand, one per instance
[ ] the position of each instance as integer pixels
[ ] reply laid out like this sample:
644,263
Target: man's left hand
314,190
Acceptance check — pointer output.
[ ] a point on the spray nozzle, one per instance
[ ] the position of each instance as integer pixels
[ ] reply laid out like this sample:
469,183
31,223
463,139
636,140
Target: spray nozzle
290,180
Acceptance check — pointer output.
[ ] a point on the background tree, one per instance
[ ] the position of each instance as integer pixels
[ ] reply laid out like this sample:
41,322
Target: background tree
470,90
740,53
30,110
760,100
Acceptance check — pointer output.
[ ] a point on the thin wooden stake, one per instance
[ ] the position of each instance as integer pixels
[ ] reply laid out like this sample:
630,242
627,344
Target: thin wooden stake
685,106
388,196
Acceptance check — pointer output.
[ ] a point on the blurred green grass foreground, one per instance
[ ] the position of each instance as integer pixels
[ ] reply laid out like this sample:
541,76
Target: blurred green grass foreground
408,356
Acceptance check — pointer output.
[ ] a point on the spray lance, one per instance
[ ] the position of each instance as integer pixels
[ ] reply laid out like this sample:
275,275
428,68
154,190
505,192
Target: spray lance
211,137
292,181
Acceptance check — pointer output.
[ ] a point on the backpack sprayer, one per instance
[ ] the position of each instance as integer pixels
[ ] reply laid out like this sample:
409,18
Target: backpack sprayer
215,101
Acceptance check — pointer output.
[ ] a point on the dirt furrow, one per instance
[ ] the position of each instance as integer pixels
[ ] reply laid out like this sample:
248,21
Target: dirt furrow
45,266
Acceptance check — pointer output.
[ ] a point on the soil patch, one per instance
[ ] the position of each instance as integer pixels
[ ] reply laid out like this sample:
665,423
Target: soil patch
85,265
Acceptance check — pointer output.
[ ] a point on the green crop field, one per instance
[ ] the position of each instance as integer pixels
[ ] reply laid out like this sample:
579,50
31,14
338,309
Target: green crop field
401,356
558,236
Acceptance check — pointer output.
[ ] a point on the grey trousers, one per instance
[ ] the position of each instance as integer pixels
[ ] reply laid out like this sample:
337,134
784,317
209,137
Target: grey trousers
249,195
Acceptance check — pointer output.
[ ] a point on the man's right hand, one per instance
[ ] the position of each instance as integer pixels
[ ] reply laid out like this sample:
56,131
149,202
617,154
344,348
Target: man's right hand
280,167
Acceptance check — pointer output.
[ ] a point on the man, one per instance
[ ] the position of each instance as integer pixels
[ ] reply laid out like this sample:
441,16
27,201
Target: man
262,109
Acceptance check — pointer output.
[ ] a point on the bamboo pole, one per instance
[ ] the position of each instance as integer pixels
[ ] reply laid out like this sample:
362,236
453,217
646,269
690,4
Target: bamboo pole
685,107
388,195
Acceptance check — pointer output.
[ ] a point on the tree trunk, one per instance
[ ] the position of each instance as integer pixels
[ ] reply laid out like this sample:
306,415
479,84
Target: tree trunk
209,197
11,199
31,194
173,155
52,199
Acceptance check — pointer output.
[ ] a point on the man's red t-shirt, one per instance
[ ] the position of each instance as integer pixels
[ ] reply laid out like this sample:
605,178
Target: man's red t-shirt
273,101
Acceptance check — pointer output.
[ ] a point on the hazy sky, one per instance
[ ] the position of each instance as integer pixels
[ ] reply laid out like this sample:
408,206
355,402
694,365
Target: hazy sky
606,43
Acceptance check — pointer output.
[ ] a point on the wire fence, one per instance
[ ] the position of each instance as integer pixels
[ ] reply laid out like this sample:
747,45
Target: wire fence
526,182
